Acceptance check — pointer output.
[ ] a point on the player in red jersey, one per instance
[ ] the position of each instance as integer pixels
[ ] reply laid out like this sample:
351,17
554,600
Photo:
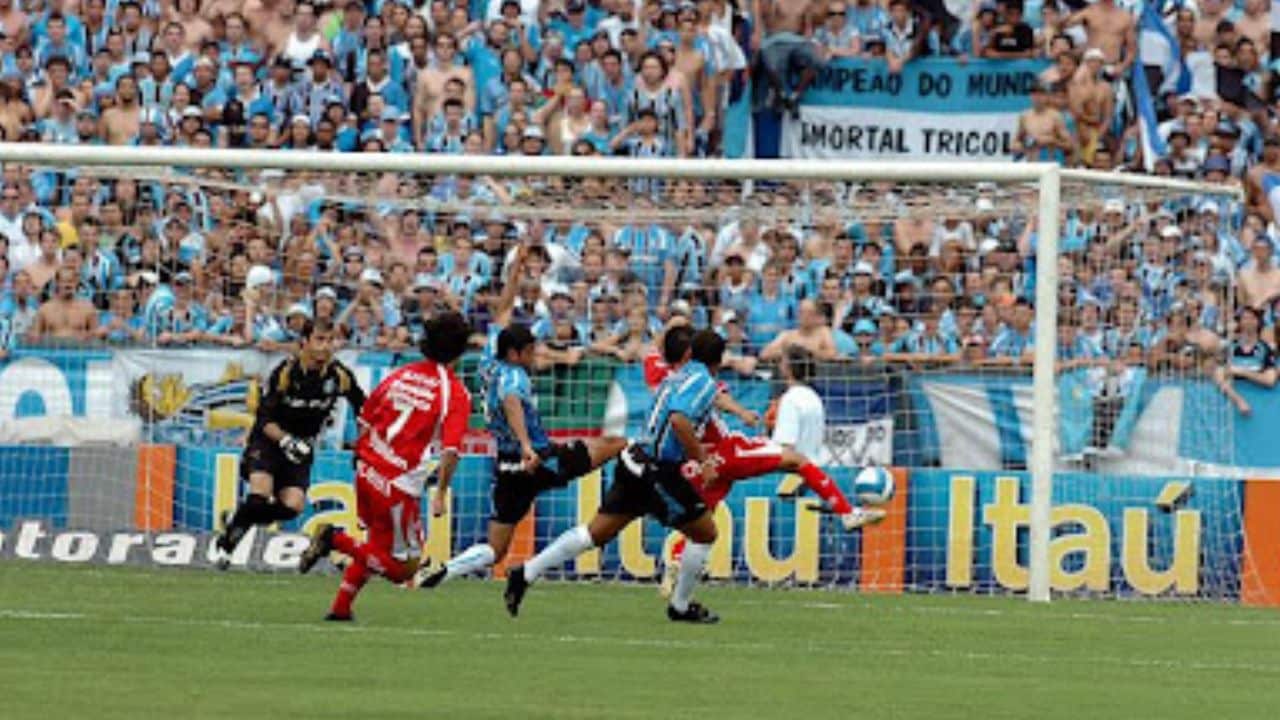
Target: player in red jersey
418,409
739,457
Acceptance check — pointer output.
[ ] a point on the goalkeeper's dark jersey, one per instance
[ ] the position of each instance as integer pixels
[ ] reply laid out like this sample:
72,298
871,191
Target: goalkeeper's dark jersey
301,401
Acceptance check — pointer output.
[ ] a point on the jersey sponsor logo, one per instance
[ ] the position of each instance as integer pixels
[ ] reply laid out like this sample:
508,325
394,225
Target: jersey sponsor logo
315,404
366,473
385,452
421,393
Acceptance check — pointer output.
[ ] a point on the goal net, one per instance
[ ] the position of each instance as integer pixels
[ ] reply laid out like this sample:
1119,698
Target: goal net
1053,366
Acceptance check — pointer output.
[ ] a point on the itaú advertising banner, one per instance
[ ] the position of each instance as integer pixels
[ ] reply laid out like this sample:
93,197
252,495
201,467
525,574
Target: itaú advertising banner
932,110
1114,535
763,538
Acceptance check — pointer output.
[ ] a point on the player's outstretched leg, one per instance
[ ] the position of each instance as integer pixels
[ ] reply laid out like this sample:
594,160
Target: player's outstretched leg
480,556
369,558
258,509
851,516
375,556
604,448
682,608
571,543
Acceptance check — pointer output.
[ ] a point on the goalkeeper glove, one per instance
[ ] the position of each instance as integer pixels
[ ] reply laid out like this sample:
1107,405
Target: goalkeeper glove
297,450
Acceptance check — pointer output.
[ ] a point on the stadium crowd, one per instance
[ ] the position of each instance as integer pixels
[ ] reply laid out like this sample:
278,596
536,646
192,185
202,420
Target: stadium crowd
239,259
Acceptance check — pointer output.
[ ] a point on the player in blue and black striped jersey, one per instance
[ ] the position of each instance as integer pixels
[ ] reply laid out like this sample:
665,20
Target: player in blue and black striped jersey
528,463
1249,357
648,478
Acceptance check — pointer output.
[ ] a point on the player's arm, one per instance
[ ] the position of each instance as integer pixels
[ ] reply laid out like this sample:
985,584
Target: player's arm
724,401
269,406
268,416
353,394
687,435
514,411
351,389
454,427
697,404
507,300
365,415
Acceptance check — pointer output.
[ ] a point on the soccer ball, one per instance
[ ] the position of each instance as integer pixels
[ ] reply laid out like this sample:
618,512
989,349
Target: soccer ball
873,485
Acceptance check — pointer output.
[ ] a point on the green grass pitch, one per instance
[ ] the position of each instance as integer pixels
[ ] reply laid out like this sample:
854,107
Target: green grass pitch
86,642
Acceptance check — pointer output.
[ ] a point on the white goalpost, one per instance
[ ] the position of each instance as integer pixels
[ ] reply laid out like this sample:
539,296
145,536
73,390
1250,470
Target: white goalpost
929,188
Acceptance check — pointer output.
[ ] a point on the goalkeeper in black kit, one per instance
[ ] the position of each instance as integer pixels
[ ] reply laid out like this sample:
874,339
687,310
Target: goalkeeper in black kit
296,405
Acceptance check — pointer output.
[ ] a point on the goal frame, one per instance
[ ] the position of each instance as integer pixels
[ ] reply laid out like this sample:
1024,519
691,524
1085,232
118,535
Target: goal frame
1047,177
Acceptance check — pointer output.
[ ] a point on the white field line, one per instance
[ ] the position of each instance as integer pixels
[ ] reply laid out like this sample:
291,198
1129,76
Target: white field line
837,649
788,598
40,615
1046,615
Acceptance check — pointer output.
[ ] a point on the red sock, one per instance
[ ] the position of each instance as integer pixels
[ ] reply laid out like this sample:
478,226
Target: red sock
822,484
344,543
677,550
376,559
353,579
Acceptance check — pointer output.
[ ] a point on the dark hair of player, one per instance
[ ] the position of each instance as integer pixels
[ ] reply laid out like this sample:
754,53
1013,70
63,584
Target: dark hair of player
800,363
675,343
708,347
445,338
515,337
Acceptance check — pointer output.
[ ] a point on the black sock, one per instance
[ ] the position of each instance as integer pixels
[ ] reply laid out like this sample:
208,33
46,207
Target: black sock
255,510
282,513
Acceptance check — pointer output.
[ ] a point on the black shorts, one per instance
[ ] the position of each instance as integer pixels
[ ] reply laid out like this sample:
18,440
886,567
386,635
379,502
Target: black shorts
659,489
514,490
263,455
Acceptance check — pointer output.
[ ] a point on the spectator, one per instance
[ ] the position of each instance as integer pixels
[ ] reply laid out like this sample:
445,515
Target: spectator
1014,343
1249,358
1042,133
1260,277
169,261
1011,38
840,37
47,263
65,316
813,333
629,339
119,323
783,33
1111,31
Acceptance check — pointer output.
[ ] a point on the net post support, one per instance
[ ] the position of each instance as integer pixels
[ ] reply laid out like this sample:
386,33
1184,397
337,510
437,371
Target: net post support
1043,382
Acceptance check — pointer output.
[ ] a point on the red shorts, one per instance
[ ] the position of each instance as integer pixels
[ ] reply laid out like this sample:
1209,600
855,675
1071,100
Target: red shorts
392,517
737,457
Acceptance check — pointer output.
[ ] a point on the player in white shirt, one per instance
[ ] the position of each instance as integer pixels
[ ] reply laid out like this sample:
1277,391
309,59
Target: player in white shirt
799,426
802,420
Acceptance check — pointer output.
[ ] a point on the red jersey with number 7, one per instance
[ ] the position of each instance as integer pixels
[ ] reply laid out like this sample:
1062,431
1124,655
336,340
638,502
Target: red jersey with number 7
418,410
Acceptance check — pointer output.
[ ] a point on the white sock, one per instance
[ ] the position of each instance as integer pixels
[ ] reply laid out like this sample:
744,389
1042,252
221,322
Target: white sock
473,559
691,566
571,543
